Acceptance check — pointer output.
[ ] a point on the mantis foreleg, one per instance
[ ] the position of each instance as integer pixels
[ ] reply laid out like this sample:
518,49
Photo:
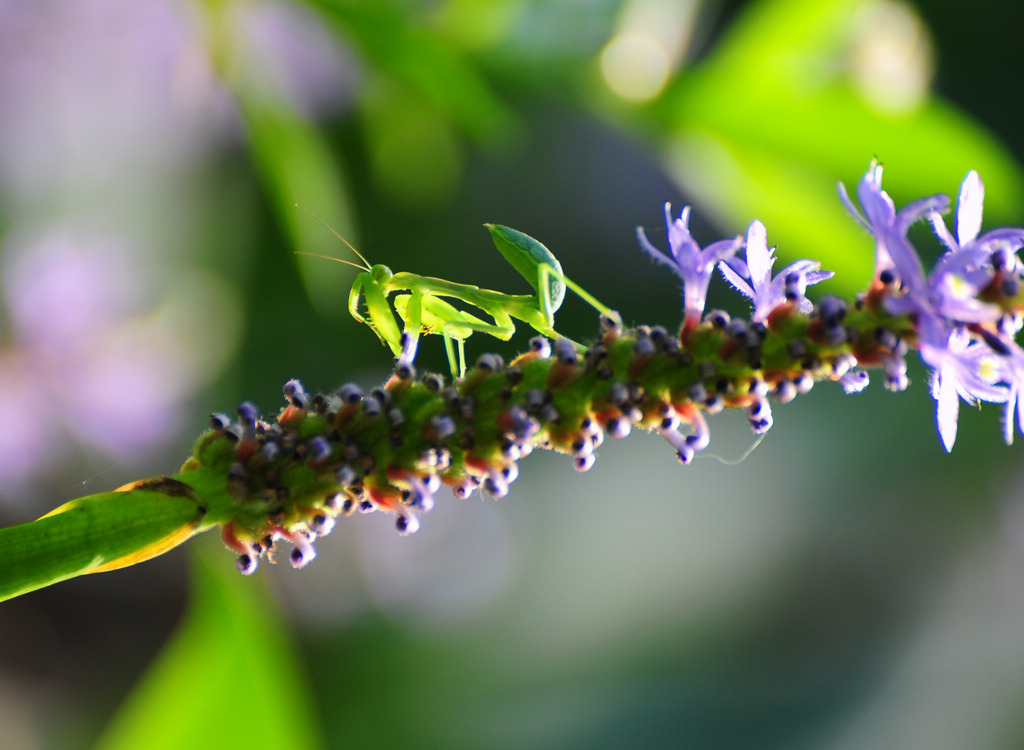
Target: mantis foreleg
379,317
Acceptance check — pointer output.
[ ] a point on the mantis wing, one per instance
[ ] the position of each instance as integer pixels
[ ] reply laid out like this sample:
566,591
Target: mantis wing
527,255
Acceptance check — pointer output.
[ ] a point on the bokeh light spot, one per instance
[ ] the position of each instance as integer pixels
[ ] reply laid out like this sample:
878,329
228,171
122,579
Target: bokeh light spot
635,65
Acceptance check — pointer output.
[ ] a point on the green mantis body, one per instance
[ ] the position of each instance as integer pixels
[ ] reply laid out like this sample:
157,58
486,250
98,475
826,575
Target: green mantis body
420,301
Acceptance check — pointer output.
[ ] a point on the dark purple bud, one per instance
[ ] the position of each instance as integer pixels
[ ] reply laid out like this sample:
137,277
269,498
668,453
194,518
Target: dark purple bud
584,463
489,363
796,349
269,451
350,394
321,524
467,407
443,426
618,394
407,524
697,392
717,318
619,428
886,338
346,476
318,449
372,406
247,564
736,329
643,347
831,310
247,412
303,552
433,382
565,352
541,346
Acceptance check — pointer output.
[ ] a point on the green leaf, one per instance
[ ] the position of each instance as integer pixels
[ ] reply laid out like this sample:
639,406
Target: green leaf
229,678
297,167
291,156
97,533
405,46
764,125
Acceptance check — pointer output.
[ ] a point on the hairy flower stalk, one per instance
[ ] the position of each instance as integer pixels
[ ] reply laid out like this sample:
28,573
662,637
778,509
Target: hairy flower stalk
391,449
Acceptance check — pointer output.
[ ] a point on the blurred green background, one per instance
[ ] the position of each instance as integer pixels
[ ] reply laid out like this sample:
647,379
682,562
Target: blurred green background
848,585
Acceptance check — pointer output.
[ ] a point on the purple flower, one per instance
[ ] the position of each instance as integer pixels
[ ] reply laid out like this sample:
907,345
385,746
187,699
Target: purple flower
893,251
964,368
1015,377
94,355
790,284
960,337
1008,358
693,265
971,258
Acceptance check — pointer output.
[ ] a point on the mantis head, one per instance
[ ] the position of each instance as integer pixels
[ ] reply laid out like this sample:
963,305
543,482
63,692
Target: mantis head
381,274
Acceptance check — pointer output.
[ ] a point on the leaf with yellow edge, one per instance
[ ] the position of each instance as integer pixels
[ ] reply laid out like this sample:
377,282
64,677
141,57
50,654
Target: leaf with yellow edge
99,532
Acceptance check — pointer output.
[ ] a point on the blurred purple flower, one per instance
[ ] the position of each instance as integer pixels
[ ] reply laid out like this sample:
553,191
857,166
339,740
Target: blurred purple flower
297,56
90,356
95,87
100,88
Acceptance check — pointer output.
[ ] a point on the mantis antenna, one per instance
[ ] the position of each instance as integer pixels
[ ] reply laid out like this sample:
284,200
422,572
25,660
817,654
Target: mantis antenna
329,228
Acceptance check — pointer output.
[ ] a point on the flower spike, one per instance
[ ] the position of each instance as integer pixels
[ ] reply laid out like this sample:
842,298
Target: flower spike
391,449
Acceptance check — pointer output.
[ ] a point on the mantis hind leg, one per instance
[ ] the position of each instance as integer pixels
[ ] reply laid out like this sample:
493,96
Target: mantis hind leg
460,370
412,312
544,273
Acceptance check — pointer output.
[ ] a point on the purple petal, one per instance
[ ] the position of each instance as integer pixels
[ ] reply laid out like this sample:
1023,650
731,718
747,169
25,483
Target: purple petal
947,407
968,214
654,252
922,208
942,231
735,279
760,258
844,197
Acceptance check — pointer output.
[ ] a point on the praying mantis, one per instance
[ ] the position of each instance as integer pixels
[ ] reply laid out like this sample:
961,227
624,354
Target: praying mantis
420,301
